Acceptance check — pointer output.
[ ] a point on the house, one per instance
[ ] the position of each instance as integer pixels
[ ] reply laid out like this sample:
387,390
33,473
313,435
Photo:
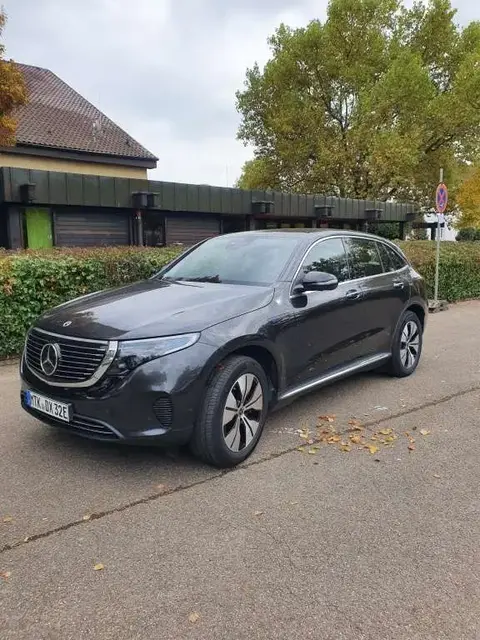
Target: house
58,130
75,178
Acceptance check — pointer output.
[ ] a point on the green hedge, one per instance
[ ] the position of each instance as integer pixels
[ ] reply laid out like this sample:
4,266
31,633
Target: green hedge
31,282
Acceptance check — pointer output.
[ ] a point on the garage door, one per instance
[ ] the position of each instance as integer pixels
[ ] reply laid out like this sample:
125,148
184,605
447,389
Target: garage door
191,229
91,229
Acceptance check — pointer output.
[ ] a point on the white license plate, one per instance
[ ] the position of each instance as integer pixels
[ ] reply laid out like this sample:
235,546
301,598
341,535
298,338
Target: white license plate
58,410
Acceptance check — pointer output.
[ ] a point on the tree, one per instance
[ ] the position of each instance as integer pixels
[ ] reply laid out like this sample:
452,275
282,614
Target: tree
12,93
468,200
369,104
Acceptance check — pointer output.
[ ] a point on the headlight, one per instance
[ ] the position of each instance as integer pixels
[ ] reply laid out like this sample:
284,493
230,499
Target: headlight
133,353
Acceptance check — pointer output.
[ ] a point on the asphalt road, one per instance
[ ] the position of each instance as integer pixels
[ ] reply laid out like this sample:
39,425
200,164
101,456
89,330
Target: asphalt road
324,545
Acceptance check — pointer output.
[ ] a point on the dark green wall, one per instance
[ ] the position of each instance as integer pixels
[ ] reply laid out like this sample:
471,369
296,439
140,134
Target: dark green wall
54,188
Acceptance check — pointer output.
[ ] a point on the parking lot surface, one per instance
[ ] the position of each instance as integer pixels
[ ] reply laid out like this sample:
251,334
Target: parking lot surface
317,543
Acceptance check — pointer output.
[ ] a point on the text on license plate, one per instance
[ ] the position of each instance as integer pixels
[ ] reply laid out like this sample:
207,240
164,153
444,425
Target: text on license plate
58,410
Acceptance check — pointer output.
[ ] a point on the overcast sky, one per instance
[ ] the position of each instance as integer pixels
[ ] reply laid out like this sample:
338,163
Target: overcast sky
164,70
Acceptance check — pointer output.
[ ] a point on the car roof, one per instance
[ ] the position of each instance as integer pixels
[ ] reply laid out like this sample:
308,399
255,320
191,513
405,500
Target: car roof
313,234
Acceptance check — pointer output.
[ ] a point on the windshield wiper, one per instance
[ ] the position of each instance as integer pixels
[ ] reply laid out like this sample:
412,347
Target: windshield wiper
214,279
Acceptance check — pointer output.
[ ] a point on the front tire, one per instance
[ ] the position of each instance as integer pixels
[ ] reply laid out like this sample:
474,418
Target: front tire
407,346
233,414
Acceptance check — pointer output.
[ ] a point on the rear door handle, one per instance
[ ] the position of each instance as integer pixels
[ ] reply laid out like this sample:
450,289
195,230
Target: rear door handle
399,284
353,294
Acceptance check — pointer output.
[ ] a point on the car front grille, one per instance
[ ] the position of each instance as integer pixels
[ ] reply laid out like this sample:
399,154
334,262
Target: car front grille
77,360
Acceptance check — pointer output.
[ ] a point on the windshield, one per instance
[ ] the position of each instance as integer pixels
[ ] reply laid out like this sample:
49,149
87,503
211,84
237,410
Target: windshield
235,259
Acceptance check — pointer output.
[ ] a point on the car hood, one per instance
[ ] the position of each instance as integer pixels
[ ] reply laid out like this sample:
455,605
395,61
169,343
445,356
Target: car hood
153,308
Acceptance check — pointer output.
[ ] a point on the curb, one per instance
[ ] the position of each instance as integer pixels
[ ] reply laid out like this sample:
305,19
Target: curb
10,362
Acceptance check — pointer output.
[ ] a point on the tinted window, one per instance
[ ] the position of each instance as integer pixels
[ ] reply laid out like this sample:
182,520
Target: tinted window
392,261
328,256
364,258
236,259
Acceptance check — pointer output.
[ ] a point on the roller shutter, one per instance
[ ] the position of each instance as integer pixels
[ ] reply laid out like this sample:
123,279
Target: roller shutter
92,228
191,229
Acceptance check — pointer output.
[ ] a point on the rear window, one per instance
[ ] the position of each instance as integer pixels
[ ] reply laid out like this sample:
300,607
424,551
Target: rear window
392,261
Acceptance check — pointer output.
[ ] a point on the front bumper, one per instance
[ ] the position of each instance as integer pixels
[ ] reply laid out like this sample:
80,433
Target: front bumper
158,402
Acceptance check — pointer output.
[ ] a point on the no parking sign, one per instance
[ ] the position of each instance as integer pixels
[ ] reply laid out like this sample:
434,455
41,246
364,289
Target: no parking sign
441,198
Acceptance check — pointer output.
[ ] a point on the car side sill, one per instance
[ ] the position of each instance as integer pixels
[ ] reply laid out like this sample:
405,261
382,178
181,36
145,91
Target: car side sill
365,363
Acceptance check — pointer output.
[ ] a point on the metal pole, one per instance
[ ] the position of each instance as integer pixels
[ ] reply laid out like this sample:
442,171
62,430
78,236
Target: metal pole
437,261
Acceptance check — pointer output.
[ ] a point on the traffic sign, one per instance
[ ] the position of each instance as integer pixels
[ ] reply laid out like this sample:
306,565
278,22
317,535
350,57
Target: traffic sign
441,198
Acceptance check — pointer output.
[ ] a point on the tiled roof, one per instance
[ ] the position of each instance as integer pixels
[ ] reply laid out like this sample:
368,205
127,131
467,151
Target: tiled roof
57,117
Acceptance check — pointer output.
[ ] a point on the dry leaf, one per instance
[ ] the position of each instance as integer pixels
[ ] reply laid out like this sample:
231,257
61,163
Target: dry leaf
26,539
345,448
386,432
327,418
86,517
99,567
312,451
372,448
411,447
294,503
311,441
435,475
194,617
8,518
161,487
302,449
425,432
258,513
334,439
356,439
5,574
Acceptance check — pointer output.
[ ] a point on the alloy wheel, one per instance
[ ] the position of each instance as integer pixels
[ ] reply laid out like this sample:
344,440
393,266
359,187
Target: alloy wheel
243,412
410,344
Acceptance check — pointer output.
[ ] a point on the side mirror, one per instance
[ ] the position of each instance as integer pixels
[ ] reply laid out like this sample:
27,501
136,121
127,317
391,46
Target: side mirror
316,281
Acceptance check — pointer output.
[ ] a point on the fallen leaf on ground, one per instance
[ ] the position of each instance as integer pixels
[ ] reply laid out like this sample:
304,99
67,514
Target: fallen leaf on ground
372,448
5,574
86,517
26,539
258,513
356,439
302,449
194,617
334,439
312,451
311,441
425,432
161,487
386,432
411,447
8,519
435,475
293,503
98,567
346,448
327,418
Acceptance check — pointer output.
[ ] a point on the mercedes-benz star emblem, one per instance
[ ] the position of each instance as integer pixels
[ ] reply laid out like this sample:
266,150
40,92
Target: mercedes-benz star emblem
50,358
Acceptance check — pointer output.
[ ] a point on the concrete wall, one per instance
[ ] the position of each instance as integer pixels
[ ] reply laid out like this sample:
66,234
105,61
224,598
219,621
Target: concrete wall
70,166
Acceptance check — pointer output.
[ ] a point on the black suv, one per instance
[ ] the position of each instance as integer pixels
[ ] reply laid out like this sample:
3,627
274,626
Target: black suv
234,327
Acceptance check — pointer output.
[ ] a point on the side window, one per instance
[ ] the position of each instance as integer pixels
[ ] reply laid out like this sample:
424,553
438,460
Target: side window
364,258
392,261
328,256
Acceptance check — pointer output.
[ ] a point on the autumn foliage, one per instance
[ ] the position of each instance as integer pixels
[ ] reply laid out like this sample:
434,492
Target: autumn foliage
12,94
468,200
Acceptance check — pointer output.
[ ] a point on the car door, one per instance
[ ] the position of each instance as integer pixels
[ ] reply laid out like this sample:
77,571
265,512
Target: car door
386,289
325,334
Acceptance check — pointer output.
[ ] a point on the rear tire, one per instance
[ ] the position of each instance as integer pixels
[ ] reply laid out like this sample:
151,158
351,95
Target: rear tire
233,414
407,346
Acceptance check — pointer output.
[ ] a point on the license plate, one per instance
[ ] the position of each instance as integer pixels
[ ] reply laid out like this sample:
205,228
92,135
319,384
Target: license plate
58,410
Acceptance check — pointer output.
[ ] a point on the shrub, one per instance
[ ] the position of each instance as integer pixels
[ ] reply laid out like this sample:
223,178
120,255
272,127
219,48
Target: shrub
459,276
33,281
468,235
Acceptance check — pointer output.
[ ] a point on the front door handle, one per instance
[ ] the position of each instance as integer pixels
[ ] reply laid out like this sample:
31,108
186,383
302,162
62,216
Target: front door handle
398,284
353,294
